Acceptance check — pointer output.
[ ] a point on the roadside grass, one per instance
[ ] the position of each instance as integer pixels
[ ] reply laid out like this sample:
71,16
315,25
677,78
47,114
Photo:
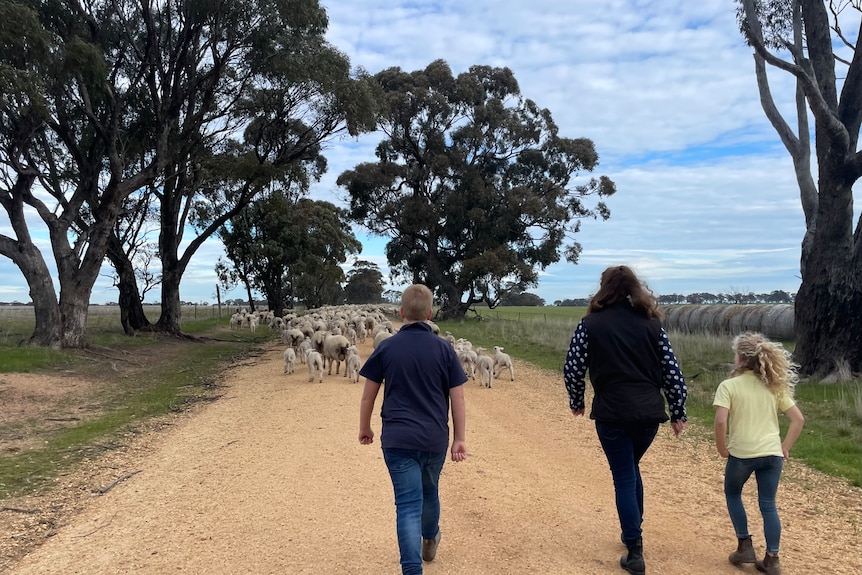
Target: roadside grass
180,374
831,440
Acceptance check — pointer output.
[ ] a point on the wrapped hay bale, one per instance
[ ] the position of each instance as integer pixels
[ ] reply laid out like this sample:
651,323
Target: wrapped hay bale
772,320
779,322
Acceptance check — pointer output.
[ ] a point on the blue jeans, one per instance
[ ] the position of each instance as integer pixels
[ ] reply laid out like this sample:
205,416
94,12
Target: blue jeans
767,471
415,476
624,444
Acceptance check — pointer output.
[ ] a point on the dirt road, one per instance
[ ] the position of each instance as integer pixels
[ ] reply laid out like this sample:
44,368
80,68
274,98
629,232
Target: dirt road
271,479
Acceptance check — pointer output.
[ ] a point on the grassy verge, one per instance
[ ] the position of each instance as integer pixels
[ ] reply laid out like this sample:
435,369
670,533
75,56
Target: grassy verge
831,440
169,375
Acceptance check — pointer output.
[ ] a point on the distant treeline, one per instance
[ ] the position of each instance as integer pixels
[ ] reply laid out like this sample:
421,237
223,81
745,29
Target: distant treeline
777,296
532,300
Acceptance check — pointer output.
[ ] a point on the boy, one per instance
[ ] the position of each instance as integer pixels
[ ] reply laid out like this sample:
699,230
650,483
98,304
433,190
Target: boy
422,375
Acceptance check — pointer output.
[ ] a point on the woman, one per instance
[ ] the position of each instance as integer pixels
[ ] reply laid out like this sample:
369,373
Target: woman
747,434
623,345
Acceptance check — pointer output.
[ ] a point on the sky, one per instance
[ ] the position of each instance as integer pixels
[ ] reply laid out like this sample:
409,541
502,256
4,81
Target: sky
706,198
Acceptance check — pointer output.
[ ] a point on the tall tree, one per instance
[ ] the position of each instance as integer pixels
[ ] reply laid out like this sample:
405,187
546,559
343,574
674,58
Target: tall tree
364,283
805,38
473,184
286,247
119,95
275,79
67,137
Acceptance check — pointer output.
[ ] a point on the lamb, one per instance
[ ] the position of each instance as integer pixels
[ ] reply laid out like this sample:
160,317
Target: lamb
485,367
468,359
302,349
502,361
354,363
315,364
289,360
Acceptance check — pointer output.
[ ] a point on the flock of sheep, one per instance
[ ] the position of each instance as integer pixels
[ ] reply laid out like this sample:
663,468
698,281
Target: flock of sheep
327,336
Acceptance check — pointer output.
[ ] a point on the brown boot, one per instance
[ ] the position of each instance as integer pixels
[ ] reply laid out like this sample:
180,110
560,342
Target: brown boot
769,565
744,552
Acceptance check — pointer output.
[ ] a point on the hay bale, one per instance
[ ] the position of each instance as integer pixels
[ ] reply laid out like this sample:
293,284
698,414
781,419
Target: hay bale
779,322
775,321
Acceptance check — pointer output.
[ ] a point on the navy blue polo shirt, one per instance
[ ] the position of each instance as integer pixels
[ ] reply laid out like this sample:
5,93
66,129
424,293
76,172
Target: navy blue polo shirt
417,369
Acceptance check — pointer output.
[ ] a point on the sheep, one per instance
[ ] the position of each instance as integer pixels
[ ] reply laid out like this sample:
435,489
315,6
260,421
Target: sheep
380,337
314,361
353,364
335,351
289,360
303,348
485,367
292,337
468,359
502,361
252,322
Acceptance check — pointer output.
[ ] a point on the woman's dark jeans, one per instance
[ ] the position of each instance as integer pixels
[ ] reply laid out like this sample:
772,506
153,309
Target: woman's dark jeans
624,444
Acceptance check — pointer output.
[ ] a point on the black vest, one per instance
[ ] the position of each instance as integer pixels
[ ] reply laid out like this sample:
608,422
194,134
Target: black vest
625,366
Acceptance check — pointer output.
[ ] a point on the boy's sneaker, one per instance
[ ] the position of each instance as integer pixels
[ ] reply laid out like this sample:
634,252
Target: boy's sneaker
429,547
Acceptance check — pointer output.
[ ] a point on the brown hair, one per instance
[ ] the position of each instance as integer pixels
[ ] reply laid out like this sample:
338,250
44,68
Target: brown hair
620,284
416,302
769,361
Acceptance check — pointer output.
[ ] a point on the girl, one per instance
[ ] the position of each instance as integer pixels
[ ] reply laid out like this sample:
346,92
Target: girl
747,434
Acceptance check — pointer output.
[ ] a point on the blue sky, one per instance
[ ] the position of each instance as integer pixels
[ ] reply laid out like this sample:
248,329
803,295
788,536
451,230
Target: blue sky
706,199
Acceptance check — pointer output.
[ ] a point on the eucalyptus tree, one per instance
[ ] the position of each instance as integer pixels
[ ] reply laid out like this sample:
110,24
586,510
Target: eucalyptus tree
473,185
287,247
263,93
364,283
71,77
809,40
106,98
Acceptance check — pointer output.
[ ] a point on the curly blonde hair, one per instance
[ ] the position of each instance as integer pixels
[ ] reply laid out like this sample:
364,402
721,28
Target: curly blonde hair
769,361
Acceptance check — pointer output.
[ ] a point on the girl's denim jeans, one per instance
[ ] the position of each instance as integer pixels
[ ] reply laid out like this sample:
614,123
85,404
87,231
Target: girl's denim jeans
767,471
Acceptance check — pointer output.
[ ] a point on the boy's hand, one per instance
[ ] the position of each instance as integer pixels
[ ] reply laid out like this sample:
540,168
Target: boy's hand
366,436
459,451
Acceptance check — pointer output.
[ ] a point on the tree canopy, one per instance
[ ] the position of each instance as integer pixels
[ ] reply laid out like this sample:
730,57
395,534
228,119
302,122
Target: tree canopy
473,185
288,249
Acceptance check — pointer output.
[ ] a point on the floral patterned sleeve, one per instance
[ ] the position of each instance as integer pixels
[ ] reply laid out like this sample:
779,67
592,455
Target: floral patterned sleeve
575,368
673,384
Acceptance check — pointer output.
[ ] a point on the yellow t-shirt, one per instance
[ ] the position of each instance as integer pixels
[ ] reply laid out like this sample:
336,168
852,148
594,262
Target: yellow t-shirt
752,420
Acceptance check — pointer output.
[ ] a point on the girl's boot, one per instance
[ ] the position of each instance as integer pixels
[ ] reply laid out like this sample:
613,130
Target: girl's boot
744,552
634,561
769,565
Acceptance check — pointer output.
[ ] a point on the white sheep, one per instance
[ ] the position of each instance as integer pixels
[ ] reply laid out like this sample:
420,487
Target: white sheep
303,348
289,360
502,361
380,336
314,361
354,363
335,351
485,367
468,359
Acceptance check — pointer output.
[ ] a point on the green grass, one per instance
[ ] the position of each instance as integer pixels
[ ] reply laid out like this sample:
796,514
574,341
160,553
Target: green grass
831,440
166,385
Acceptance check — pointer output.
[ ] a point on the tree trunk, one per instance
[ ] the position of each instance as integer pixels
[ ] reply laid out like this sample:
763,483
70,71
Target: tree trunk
45,305
169,320
828,307
132,316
